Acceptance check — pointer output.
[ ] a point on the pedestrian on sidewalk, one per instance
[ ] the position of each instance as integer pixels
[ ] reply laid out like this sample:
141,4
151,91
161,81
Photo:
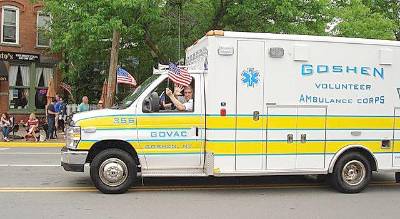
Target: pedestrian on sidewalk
60,109
100,105
84,106
51,115
33,127
5,124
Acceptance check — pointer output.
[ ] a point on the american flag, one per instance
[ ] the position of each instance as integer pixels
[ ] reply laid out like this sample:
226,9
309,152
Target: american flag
66,87
179,75
123,77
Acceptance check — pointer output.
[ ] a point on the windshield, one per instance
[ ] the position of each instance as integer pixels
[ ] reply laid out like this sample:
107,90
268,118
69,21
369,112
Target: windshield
138,91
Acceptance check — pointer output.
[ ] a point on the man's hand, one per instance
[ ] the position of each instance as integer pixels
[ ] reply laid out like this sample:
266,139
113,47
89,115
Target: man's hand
168,92
178,90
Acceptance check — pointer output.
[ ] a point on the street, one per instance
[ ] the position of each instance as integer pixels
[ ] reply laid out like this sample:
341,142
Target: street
33,185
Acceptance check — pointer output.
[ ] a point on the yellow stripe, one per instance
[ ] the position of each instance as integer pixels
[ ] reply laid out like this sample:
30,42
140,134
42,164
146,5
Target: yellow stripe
169,121
221,147
16,144
359,123
150,147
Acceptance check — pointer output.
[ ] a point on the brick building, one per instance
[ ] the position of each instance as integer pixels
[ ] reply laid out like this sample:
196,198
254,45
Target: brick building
25,63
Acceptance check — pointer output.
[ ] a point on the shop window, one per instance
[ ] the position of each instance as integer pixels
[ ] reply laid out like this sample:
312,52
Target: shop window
43,22
19,87
10,25
43,75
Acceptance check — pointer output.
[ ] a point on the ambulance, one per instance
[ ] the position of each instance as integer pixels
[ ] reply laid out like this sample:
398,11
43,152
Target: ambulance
263,104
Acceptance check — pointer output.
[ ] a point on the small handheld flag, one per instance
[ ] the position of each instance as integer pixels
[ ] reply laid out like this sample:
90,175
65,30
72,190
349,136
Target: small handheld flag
179,75
123,77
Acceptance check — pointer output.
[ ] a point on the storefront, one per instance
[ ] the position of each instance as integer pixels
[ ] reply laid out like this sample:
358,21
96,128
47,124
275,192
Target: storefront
24,82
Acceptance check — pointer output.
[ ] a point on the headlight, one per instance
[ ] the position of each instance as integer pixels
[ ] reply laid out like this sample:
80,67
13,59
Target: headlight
73,136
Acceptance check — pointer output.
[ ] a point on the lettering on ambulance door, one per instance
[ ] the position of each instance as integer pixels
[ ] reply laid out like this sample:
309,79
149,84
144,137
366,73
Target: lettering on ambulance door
396,140
281,134
250,143
311,137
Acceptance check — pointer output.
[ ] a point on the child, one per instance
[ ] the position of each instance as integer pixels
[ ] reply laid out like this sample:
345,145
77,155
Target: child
5,125
32,125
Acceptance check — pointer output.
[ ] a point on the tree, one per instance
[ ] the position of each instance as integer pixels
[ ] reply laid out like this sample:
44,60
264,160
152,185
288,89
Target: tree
82,30
279,16
355,19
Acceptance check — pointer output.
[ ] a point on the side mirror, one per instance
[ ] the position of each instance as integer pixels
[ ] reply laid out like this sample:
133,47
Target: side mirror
151,103
155,102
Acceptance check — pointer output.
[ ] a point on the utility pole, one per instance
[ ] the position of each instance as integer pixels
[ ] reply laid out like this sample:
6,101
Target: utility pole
112,74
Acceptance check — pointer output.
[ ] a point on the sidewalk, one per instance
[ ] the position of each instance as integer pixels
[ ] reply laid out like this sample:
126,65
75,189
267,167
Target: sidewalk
21,142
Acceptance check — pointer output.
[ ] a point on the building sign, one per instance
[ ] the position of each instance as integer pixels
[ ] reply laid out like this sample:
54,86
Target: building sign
14,56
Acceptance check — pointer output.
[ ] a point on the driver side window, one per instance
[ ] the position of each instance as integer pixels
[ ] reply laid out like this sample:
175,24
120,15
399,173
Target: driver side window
181,98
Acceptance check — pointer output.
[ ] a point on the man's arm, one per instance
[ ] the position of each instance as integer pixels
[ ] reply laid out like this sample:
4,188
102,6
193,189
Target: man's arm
175,101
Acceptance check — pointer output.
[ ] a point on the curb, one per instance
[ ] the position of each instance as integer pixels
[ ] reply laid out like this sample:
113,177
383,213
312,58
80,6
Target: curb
31,144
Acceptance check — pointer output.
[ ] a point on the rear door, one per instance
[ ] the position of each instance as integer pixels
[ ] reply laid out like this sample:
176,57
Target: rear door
250,143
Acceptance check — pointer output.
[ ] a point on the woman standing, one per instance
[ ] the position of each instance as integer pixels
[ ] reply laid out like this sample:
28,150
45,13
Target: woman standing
5,125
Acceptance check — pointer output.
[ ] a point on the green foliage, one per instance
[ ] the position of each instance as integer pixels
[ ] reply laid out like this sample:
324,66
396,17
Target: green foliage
81,30
356,19
279,16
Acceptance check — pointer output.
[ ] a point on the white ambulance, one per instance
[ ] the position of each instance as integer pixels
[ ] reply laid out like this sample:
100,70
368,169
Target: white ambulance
263,104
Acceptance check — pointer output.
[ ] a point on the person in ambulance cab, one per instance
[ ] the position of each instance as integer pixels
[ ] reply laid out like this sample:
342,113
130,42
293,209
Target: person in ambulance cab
187,104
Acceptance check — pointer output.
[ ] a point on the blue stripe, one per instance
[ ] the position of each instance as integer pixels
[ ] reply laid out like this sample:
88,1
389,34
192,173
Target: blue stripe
229,141
148,140
285,140
120,115
287,115
262,154
243,129
283,129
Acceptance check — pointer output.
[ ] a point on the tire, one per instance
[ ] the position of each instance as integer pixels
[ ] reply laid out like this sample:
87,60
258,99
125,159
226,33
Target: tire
113,171
351,174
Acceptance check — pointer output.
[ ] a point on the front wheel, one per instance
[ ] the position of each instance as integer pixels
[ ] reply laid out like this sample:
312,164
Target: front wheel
351,174
113,171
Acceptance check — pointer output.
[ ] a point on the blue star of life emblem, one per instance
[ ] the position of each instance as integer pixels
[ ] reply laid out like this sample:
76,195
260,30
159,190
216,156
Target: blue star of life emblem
250,77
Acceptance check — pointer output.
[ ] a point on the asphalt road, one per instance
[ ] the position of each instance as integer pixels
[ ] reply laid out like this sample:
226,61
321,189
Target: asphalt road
33,185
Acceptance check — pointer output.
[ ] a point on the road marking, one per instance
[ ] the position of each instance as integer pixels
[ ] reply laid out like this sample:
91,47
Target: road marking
177,188
30,165
3,149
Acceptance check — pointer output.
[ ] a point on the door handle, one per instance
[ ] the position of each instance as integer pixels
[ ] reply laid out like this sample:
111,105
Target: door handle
303,138
256,115
290,138
197,131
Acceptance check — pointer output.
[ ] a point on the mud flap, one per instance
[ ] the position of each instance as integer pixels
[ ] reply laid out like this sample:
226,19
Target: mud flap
397,177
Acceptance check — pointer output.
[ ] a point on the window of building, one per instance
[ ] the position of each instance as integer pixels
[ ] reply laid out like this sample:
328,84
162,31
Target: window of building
43,75
19,86
28,89
10,25
43,23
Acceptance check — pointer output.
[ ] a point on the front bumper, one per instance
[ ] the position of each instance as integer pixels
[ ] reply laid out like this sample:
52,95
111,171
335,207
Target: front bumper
73,160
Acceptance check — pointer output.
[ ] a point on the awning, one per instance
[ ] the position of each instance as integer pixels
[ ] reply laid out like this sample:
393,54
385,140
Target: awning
3,72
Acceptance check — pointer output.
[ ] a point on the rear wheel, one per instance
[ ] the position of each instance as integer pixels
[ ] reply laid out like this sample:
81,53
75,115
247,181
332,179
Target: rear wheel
351,174
113,171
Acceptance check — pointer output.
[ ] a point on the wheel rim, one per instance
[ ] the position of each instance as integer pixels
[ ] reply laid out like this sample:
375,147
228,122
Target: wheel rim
353,172
113,172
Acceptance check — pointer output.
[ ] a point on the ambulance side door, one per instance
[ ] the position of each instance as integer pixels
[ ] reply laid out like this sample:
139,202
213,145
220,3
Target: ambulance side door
170,138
